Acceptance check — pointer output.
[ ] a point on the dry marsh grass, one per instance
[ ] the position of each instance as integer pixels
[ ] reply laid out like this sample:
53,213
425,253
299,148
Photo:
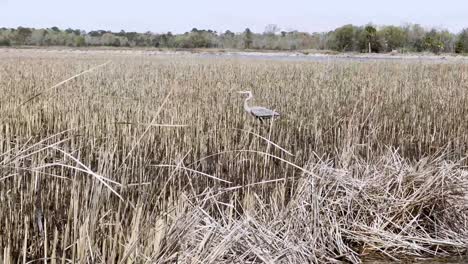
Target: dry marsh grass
152,160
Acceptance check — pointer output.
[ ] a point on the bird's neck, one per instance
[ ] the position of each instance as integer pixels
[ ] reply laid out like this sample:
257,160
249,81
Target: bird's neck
246,104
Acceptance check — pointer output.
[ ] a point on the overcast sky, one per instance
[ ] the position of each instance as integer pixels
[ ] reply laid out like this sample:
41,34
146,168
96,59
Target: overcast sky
183,15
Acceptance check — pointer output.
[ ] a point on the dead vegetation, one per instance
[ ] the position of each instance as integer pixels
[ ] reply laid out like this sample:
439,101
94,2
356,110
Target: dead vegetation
152,160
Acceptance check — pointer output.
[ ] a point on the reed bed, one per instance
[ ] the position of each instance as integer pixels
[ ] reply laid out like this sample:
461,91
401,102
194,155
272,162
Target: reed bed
151,159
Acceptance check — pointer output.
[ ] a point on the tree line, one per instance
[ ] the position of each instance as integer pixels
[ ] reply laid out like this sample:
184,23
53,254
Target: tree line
348,38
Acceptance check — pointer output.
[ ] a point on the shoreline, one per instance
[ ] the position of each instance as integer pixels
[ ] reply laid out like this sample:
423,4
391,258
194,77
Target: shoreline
229,53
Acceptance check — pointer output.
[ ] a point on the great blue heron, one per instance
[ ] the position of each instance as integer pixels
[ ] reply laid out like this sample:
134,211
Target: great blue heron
259,112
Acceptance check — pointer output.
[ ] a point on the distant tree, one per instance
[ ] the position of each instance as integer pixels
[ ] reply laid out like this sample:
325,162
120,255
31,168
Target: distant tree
247,38
116,42
432,42
462,42
229,34
198,39
76,32
141,40
416,34
92,41
22,35
459,47
124,42
271,29
229,40
270,39
38,37
98,33
371,34
163,41
448,39
343,38
109,39
132,37
394,37
170,40
5,42
434,45
80,41
121,33
346,38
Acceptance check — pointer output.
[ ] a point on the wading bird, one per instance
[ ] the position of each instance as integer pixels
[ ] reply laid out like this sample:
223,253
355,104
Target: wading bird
258,112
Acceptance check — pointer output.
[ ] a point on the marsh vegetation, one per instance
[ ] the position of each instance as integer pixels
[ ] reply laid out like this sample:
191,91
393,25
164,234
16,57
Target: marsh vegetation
152,160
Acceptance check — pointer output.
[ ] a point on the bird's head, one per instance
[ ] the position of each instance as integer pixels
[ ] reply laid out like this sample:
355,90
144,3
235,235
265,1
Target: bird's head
249,93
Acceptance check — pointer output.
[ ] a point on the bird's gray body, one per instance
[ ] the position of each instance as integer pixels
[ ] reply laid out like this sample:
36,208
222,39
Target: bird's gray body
258,111
262,112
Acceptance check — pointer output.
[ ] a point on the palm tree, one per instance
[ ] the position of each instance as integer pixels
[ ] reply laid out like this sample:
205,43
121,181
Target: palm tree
371,32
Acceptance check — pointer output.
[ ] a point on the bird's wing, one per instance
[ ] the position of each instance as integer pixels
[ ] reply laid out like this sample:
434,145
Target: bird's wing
259,111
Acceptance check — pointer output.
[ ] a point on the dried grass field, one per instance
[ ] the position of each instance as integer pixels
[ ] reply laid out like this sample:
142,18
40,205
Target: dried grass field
151,159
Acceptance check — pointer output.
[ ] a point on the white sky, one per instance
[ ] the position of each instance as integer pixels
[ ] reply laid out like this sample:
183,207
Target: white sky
182,15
